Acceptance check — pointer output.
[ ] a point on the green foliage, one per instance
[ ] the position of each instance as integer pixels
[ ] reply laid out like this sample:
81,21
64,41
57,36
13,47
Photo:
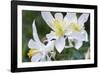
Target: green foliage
69,54
84,48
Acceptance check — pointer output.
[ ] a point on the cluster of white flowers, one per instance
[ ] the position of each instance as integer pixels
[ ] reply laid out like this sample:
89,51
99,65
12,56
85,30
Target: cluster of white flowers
62,27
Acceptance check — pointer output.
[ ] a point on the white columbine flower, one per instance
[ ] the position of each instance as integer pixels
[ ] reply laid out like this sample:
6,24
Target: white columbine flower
39,51
76,28
66,27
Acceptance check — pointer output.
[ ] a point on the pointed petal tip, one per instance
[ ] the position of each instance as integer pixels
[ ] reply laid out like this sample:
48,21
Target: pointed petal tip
60,44
59,16
35,33
83,18
78,44
48,18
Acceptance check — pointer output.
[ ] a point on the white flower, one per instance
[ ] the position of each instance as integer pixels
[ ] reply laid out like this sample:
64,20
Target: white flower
76,28
68,26
57,25
39,51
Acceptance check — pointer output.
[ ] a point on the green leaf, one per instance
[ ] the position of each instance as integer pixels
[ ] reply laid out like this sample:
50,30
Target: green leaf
69,54
84,48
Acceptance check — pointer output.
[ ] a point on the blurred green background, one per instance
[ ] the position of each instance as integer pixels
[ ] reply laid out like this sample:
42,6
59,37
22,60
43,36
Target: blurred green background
43,29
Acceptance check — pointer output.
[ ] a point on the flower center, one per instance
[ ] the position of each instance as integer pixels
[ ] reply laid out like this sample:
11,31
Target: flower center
32,52
59,28
75,27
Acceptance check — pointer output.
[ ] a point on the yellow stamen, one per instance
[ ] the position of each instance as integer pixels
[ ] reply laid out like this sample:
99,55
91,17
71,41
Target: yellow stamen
32,52
75,27
59,28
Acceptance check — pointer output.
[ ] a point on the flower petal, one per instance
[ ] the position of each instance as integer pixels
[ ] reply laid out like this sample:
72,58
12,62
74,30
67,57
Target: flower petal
43,58
35,35
70,18
51,36
36,57
77,36
78,44
59,16
50,46
83,18
86,36
60,44
48,18
33,45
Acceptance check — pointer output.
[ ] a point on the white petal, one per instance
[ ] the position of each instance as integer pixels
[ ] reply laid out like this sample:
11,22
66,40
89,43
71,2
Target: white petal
36,57
32,44
60,44
86,36
78,44
51,36
77,36
43,58
50,46
67,33
48,18
70,17
59,16
83,18
35,35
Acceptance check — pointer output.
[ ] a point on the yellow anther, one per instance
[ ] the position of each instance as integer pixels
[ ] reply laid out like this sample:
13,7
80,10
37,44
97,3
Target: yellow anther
75,27
59,27
32,52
